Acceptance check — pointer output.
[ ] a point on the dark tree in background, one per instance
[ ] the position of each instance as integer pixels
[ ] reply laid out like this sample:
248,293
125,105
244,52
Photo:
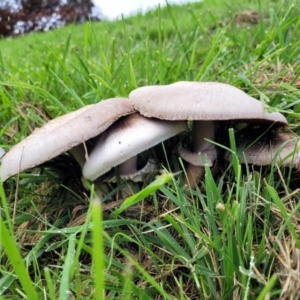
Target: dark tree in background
22,16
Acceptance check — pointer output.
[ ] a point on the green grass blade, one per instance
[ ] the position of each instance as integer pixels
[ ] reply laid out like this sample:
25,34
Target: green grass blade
284,213
64,290
17,262
5,208
98,250
151,188
50,286
267,288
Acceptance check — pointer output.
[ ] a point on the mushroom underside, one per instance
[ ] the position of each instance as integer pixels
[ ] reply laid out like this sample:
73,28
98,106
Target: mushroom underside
275,148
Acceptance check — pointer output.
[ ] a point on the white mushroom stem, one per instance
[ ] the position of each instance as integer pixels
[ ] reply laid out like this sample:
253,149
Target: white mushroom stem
128,166
125,168
80,154
138,176
193,175
202,131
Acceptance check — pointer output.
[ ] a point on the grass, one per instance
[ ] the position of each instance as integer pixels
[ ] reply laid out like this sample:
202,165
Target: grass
235,237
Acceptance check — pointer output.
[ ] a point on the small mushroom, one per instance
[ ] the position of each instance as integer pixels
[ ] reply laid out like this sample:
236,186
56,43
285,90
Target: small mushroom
62,134
203,102
280,148
120,144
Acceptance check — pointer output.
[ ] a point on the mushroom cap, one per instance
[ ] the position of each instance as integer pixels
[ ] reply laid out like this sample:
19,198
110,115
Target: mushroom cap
280,148
63,133
199,101
126,138
208,156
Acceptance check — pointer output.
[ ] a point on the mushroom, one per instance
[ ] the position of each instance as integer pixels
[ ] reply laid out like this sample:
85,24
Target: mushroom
120,144
62,134
280,148
203,102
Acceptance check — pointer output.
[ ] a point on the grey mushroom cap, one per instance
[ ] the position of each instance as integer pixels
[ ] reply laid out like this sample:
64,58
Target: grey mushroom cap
63,133
198,159
279,148
125,139
199,101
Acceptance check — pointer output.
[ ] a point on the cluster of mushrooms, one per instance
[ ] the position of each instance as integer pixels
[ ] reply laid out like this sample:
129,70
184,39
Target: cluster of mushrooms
124,127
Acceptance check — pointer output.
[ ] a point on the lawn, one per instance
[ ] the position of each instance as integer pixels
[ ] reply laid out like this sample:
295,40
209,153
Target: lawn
236,236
